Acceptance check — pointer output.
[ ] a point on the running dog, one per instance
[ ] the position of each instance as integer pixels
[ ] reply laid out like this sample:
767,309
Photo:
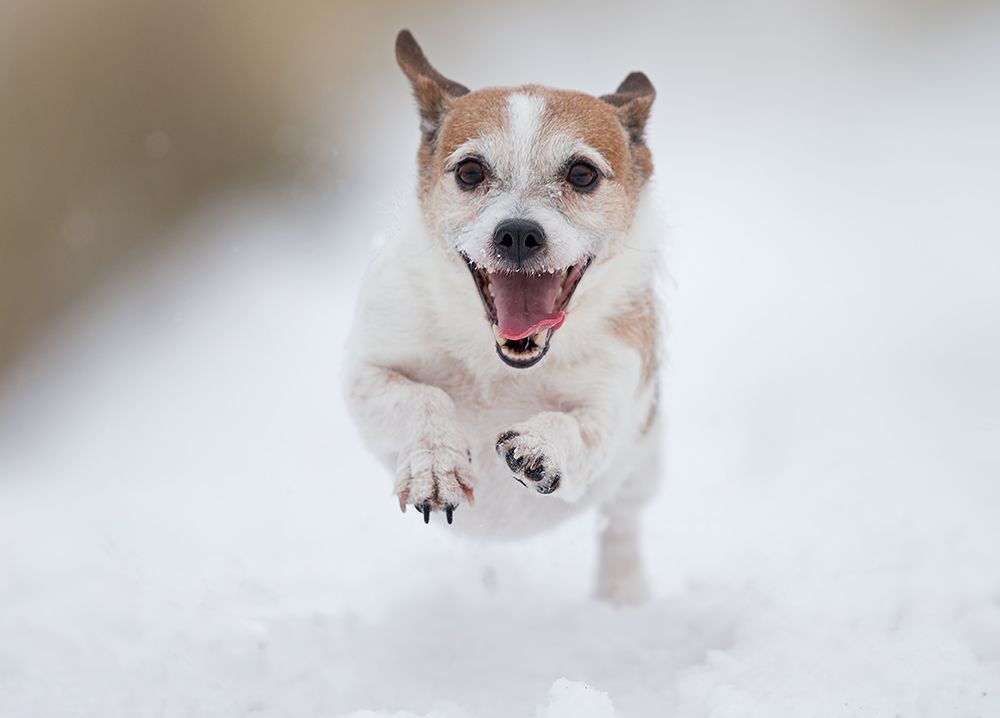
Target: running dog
504,351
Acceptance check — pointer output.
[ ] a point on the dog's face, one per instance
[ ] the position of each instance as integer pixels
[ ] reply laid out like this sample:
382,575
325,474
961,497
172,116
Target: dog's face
529,186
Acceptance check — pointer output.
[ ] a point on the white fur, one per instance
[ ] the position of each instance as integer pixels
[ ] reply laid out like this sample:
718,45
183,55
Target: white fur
524,114
431,397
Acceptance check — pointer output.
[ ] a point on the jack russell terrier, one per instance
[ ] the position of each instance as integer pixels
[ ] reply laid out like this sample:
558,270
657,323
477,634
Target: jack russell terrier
504,350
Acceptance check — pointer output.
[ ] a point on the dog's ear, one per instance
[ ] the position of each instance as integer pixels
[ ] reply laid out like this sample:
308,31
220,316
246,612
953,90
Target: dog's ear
434,92
633,100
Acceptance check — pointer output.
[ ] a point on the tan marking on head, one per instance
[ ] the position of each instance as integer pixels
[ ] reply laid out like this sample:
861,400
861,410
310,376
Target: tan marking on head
636,326
472,115
592,120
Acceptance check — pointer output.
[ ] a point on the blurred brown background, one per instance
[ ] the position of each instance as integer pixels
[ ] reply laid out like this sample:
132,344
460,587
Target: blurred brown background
117,116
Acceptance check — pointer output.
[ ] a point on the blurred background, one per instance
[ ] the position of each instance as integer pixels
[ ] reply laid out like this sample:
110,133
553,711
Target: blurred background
188,193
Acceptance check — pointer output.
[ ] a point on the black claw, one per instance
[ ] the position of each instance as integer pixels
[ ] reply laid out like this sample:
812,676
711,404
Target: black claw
519,481
549,487
426,508
449,512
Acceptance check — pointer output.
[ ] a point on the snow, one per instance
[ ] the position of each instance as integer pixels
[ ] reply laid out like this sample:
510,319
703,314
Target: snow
190,527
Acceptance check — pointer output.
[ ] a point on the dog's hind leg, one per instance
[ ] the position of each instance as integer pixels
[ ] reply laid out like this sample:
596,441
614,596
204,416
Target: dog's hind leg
621,577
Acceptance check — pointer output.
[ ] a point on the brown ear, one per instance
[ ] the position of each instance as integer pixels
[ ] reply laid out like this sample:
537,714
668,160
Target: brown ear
433,91
633,98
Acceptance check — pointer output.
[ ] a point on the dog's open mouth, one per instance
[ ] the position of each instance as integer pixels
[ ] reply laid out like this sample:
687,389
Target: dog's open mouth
524,309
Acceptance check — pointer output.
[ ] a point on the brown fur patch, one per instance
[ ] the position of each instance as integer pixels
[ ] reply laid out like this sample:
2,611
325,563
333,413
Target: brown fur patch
637,327
596,123
451,114
593,120
469,116
472,115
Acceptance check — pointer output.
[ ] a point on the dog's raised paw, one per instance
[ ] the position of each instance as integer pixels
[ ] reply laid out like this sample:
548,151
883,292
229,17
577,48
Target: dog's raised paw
530,459
434,476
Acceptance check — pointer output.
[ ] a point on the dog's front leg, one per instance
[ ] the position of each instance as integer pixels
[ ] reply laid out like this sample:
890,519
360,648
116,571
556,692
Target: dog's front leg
558,452
414,424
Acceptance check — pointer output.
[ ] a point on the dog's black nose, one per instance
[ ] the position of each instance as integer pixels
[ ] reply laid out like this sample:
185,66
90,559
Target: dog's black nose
517,240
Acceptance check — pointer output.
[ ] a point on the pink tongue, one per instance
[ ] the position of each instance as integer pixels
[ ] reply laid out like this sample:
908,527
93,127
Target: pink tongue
525,303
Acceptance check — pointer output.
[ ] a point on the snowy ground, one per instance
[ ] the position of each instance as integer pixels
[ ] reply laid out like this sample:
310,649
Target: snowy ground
189,526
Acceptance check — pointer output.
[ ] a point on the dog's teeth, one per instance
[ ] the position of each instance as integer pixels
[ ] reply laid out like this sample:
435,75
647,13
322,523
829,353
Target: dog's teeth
497,335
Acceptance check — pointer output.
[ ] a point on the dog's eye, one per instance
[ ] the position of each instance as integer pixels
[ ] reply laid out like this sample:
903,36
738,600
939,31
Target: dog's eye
582,176
470,174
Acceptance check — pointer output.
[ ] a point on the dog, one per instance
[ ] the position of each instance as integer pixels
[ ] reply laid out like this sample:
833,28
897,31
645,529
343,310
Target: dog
503,357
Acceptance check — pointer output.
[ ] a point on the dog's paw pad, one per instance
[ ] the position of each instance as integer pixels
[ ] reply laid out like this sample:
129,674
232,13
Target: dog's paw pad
550,484
530,459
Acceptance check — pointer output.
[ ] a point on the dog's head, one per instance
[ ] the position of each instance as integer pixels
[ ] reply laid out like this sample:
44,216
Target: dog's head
529,186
